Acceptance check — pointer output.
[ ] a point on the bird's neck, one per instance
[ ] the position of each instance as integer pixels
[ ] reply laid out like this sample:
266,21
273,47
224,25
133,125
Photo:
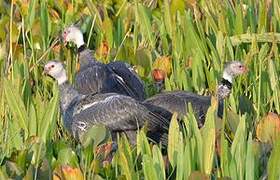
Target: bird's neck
79,40
67,95
227,76
82,48
225,86
62,77
86,57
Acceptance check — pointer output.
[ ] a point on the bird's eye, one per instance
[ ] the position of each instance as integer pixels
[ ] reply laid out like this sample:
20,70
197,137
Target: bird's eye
52,66
240,66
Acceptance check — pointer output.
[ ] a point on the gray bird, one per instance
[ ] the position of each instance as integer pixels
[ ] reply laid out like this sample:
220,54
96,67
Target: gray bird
119,113
94,76
177,101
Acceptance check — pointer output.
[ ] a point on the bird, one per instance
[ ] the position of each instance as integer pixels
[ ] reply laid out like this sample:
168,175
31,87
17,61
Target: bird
176,101
94,76
117,112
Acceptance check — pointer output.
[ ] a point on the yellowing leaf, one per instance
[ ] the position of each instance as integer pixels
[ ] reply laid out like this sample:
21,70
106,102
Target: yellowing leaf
163,63
198,175
268,129
103,50
67,173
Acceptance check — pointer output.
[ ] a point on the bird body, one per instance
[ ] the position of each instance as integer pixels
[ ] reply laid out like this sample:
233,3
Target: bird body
96,77
177,101
119,113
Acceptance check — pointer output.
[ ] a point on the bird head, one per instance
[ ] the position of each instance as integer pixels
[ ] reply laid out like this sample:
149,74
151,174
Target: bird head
56,70
233,69
73,34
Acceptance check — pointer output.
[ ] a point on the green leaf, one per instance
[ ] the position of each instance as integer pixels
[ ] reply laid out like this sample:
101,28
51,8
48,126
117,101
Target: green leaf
96,135
44,22
208,136
144,20
250,160
67,156
197,140
31,14
239,20
124,159
150,172
274,81
167,18
143,144
48,121
174,140
158,162
274,162
238,148
16,105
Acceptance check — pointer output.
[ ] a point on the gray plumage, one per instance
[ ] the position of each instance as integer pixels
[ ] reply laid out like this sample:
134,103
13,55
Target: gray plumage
177,101
133,84
117,112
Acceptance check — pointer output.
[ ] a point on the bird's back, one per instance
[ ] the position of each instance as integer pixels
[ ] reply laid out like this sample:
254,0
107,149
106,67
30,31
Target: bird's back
177,101
91,78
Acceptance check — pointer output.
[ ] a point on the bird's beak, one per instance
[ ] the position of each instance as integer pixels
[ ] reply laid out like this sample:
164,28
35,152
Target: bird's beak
245,69
46,71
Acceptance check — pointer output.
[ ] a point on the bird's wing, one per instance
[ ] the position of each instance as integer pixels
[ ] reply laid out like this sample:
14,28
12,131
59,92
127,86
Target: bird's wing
117,112
177,101
128,79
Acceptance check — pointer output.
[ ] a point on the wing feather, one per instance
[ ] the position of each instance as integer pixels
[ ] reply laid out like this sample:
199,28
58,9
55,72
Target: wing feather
130,80
117,112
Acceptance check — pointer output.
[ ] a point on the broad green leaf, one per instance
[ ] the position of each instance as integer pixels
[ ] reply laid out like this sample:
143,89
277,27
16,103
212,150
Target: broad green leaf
197,140
144,20
150,172
174,140
96,135
48,121
67,156
238,148
158,162
143,146
16,105
208,137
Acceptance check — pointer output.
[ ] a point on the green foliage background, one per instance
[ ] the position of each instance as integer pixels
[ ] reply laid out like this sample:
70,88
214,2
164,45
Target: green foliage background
199,36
